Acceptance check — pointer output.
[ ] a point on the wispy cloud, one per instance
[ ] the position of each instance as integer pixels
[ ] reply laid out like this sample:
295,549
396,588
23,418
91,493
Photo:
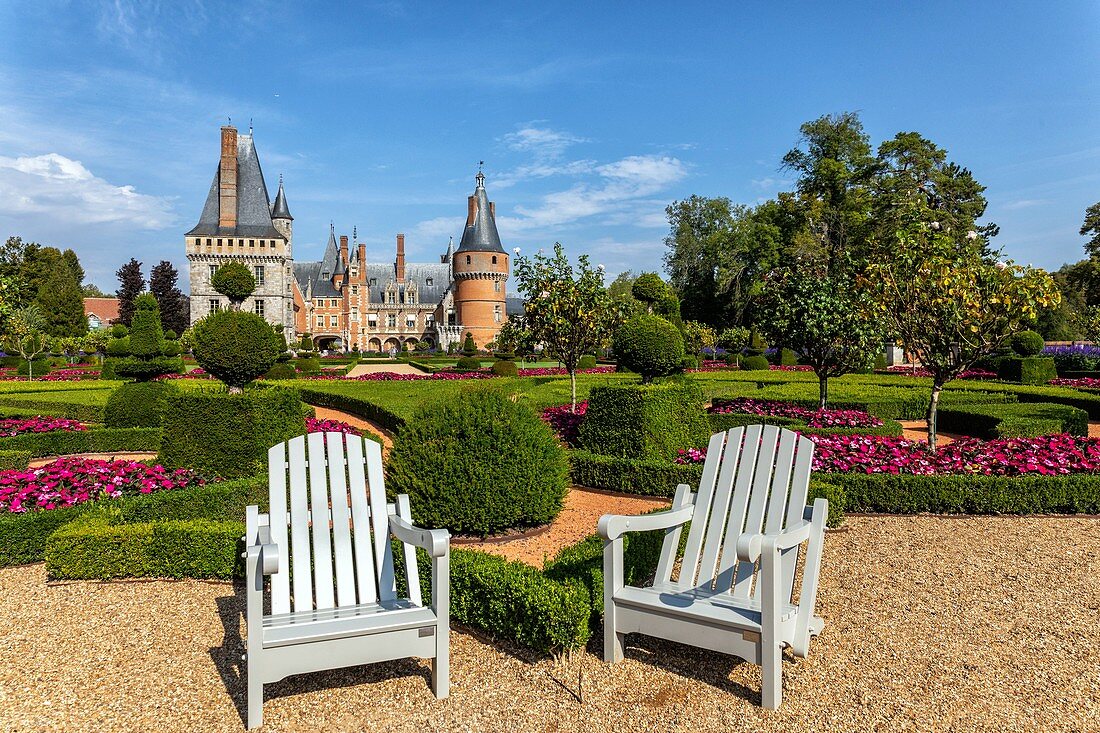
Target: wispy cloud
546,148
1023,204
53,186
769,183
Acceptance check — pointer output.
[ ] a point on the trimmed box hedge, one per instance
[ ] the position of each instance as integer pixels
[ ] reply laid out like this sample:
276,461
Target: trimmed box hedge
25,534
346,403
644,421
16,460
647,477
95,440
226,434
1027,369
724,421
78,404
1014,420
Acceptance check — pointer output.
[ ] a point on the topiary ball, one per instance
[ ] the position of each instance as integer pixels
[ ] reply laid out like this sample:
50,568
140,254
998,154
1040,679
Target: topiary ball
479,465
1027,343
235,346
118,346
649,287
137,405
505,368
755,363
586,362
281,370
119,330
649,345
234,280
468,364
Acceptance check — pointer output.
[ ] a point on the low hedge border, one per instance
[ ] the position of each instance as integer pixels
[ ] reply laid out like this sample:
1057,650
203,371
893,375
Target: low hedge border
25,535
367,410
1013,420
631,475
17,460
83,411
725,421
894,403
96,440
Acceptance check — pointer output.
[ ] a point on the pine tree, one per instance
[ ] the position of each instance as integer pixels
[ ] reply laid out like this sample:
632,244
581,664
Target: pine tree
174,308
61,304
130,285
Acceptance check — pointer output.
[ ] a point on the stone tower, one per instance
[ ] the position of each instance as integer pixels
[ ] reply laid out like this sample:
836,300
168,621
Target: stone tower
239,223
480,271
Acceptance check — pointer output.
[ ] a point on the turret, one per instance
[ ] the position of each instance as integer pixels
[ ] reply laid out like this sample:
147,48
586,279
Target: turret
280,214
480,270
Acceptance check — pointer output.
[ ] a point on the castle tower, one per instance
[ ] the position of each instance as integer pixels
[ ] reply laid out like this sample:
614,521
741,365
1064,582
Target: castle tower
480,267
240,224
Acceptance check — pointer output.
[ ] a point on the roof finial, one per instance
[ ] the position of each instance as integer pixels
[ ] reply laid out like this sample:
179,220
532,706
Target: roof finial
354,233
249,125
230,121
280,180
480,176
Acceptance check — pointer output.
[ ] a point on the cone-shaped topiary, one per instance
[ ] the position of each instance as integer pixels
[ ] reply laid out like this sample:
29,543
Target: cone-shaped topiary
137,405
147,358
649,345
235,346
235,281
479,465
469,348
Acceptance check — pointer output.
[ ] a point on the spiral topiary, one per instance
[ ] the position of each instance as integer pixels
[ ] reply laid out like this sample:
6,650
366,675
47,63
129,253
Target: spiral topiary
235,346
649,345
146,345
479,465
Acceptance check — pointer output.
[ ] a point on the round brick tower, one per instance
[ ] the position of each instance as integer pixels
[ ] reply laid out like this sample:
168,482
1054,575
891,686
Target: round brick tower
480,268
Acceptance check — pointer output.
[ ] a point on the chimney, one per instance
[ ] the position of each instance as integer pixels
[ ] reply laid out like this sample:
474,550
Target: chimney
227,179
344,249
471,211
493,210
362,261
400,258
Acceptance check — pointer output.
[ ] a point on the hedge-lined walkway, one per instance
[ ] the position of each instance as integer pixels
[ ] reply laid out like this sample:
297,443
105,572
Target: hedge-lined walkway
968,624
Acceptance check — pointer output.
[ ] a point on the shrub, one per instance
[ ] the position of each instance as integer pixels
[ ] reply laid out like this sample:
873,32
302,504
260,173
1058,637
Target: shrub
118,346
479,464
235,281
119,330
228,434
1027,343
643,476
65,442
1014,420
14,459
310,365
834,494
648,288
689,362
644,421
234,346
281,370
469,348
375,413
1027,369
468,363
754,363
588,361
172,348
137,405
146,333
36,368
649,345
880,362
505,368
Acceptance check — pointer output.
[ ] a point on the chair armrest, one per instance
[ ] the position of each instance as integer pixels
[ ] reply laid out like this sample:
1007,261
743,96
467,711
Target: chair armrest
749,545
267,558
613,526
434,541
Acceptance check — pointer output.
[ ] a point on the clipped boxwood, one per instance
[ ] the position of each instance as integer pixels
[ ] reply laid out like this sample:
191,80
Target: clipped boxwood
228,434
505,368
644,421
468,364
1027,369
34,369
631,475
310,366
649,345
281,370
96,440
1014,420
834,494
138,404
725,421
755,363
479,464
14,460
375,413
1027,343
588,361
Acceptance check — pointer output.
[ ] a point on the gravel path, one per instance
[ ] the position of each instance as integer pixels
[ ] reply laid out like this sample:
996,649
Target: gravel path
967,624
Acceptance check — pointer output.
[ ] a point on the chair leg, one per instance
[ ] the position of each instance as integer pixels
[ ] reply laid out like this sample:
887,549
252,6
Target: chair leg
255,700
612,641
771,667
441,666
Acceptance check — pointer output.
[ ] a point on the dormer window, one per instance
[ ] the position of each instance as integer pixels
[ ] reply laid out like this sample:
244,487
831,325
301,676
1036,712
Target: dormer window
374,281
428,282
326,275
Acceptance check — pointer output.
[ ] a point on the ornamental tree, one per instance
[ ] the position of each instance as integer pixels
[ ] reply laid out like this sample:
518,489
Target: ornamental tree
825,318
698,337
235,281
567,310
950,307
148,358
235,346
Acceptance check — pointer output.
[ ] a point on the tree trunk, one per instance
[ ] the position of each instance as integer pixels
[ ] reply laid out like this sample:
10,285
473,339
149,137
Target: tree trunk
930,418
823,392
573,390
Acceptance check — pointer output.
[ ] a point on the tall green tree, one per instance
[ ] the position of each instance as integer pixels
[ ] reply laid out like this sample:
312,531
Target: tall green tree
566,309
175,311
950,307
131,283
61,304
1091,225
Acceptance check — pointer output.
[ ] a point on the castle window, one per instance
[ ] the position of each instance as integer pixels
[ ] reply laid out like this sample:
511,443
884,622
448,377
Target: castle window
429,321
213,269
252,243
410,321
335,303
467,259
374,281
428,282
259,272
219,242
320,321
333,322
494,259
496,313
496,286
355,316
355,272
207,241
263,243
215,305
258,307
391,321
372,320
355,290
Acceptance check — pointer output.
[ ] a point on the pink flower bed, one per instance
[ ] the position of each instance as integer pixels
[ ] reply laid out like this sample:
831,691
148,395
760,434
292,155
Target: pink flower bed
1049,455
479,374
37,424
70,375
564,421
812,418
914,371
199,373
791,368
313,425
70,481
1083,382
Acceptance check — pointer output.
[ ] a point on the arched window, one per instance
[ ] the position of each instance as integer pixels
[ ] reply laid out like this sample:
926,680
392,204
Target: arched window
467,259
494,259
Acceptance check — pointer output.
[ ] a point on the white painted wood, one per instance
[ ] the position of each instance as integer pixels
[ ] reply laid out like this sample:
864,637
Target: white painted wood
301,555
338,617
366,580
322,533
751,504
341,519
276,472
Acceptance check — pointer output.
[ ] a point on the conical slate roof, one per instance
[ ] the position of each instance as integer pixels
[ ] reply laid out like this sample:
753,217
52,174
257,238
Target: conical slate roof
481,234
253,203
331,260
280,210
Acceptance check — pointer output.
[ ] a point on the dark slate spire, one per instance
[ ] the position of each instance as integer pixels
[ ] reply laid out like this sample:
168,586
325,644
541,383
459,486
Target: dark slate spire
480,234
253,216
332,254
281,210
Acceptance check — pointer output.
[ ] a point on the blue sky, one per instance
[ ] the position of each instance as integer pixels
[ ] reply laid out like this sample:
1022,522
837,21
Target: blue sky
590,117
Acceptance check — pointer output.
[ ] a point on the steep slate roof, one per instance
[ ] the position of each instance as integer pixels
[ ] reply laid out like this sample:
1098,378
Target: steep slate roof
481,235
253,203
307,273
280,210
330,262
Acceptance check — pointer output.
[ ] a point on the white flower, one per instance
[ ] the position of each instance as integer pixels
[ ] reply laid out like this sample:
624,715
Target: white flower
1001,265
935,226
972,234
600,268
516,250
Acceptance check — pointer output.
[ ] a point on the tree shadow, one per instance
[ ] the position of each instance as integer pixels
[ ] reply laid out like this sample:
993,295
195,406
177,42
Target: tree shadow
233,670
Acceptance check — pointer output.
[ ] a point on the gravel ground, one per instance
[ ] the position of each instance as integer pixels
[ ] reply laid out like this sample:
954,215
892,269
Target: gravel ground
968,624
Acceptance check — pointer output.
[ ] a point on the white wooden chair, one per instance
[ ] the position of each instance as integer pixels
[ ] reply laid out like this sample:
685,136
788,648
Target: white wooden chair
750,509
334,600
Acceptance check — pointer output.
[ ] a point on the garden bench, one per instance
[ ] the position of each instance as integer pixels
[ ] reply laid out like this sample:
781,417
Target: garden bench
735,589
333,598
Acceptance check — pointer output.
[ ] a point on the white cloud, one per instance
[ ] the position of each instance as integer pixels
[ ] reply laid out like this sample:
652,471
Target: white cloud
546,148
541,141
1023,204
54,186
769,183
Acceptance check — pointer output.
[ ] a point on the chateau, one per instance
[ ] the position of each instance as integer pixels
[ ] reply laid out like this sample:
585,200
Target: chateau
345,300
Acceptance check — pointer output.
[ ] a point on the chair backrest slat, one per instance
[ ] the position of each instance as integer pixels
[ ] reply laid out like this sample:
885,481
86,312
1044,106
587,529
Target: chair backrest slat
380,521
796,506
758,502
341,520
412,574
735,519
366,579
775,519
720,503
322,533
301,557
276,471
694,545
